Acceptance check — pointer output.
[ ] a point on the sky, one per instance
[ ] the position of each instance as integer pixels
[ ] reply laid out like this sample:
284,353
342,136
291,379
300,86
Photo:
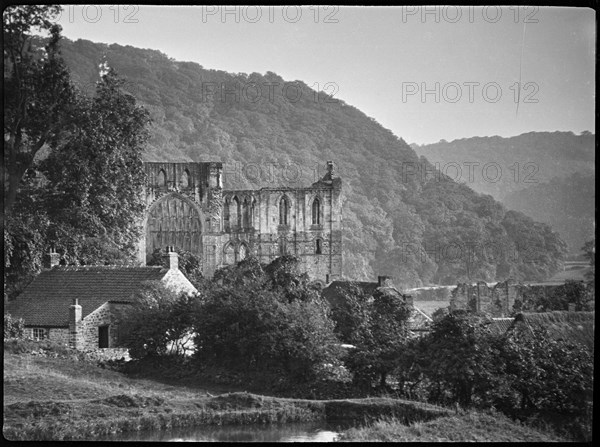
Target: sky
425,73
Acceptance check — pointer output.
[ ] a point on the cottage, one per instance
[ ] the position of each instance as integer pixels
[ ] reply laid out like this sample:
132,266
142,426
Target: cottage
80,305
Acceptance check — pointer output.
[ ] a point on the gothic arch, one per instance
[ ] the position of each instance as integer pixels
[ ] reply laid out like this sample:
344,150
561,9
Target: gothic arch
173,219
229,254
184,182
284,210
161,179
316,211
243,251
235,213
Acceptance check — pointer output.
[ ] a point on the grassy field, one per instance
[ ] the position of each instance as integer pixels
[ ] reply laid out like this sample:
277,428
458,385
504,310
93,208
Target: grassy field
61,398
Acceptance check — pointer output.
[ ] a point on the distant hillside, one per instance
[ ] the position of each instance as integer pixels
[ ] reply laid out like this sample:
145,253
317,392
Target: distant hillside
399,220
567,204
523,161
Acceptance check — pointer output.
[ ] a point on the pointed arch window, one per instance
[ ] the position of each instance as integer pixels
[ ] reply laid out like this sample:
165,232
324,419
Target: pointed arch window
246,214
226,217
316,212
243,253
234,214
185,179
162,179
318,247
284,208
229,255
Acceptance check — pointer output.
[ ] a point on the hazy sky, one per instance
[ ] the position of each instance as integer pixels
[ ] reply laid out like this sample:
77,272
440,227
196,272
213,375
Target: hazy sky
425,73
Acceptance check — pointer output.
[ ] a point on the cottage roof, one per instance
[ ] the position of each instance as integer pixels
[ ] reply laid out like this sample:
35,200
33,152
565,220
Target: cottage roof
46,301
334,292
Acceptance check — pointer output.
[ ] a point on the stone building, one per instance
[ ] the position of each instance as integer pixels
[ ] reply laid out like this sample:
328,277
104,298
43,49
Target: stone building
502,299
81,305
188,209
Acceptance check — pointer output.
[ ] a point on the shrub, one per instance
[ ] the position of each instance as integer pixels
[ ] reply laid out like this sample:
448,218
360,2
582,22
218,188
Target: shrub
13,327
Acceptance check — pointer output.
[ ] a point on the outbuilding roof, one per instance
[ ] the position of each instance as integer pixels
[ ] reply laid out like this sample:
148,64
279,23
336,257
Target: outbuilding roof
46,300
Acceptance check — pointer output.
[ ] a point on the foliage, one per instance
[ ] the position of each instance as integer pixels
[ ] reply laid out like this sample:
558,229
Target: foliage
158,323
253,328
37,90
95,179
379,334
13,327
72,164
457,358
589,249
521,373
559,298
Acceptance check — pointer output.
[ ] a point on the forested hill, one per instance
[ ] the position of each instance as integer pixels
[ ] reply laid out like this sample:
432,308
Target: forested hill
567,204
399,220
523,160
547,175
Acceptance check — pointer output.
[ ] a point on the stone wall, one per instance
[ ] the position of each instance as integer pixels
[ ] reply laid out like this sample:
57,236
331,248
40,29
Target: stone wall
58,335
106,315
496,301
500,300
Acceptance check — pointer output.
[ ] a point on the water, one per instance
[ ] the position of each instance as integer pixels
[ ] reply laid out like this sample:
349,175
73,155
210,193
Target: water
292,432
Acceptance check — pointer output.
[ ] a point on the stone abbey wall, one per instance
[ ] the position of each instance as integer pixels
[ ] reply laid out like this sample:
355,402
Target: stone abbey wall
188,209
500,300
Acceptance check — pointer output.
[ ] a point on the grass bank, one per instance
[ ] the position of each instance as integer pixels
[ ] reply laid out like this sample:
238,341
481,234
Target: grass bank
465,427
62,397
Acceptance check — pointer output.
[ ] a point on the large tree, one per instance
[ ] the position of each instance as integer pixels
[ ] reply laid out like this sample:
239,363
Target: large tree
37,90
81,195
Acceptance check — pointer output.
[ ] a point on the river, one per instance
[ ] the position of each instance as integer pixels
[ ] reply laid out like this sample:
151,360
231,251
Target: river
291,432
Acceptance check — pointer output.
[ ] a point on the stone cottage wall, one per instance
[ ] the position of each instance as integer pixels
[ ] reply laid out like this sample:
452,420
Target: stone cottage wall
58,335
107,314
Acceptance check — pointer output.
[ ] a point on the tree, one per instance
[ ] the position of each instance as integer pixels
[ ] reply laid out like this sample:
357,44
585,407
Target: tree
255,328
589,249
379,337
158,323
96,177
457,358
38,92
82,194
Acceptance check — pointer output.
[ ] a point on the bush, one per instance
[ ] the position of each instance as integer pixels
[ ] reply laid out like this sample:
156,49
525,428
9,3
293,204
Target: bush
158,323
13,327
254,321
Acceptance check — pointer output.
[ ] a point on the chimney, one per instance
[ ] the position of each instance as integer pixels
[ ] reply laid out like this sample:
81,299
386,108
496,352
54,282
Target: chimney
384,281
51,259
75,325
171,258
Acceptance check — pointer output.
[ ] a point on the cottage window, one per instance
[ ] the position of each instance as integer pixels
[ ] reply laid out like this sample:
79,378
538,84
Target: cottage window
39,333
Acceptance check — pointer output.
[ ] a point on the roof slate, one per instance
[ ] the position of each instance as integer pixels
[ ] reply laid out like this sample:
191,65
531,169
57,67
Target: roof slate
46,301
